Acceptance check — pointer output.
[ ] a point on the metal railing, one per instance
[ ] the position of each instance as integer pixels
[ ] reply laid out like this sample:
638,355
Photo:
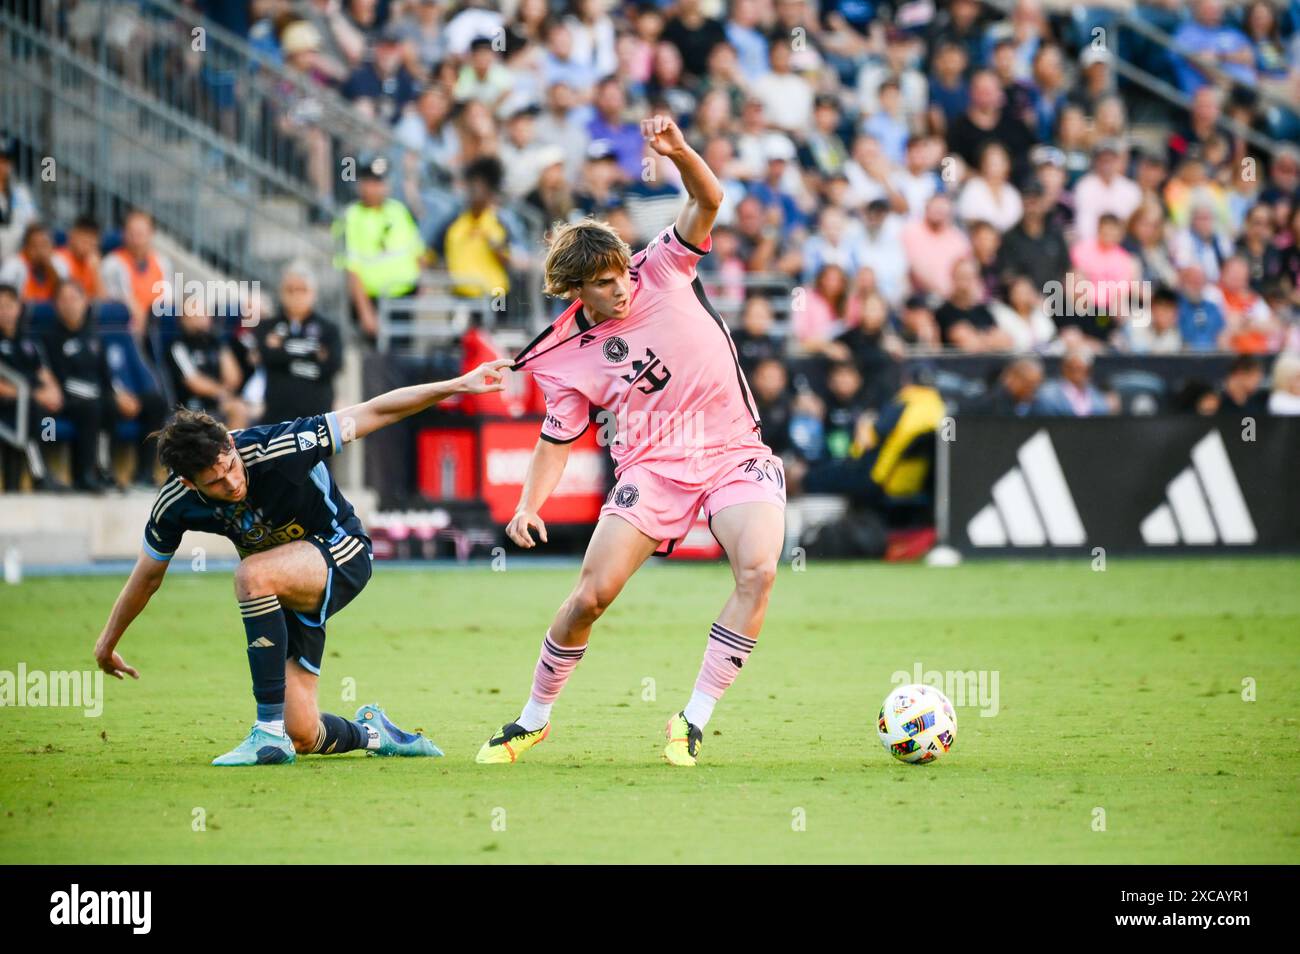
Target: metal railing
92,143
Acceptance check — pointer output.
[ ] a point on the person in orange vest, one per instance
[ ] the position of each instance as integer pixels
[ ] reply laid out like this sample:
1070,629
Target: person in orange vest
34,270
80,256
135,274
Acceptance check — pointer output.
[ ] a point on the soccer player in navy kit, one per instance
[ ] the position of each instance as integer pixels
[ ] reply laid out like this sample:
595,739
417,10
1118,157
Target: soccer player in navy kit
304,556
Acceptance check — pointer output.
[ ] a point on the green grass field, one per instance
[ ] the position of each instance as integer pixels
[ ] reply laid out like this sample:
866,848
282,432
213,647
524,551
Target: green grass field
1119,690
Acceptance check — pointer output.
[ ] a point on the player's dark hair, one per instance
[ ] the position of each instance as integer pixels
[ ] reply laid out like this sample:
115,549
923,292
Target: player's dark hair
191,442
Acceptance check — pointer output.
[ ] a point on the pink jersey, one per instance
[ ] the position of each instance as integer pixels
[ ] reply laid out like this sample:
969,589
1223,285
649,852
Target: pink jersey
665,381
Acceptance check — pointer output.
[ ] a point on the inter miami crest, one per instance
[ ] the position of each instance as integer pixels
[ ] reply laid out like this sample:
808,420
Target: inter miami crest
626,496
616,350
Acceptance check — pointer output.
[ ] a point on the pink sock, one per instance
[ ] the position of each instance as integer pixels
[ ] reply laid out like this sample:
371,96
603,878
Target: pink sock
554,666
723,657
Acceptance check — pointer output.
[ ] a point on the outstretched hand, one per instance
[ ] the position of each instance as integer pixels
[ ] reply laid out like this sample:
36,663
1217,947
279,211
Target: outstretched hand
487,377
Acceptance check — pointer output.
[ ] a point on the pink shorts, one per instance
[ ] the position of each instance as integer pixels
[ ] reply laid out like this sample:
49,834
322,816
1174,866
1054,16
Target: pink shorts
665,508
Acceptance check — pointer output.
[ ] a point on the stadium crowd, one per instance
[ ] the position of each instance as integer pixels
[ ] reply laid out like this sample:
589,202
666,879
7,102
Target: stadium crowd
901,179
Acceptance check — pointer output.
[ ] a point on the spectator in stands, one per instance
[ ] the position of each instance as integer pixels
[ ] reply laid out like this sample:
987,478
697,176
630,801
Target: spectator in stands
301,351
872,346
552,198
933,246
989,196
79,362
205,375
837,241
1104,189
1016,392
1201,242
985,243
1285,397
882,246
1257,247
1102,264
1208,43
1096,78
755,339
694,34
477,246
1158,332
964,319
888,125
381,247
17,210
136,274
1035,246
819,313
845,402
917,325
609,125
381,87
1200,320
1049,88
1242,394
484,77
1252,327
1023,317
949,91
34,271
1018,94
986,121
918,181
80,256
770,384
1072,393
300,104
1145,242
24,355
522,156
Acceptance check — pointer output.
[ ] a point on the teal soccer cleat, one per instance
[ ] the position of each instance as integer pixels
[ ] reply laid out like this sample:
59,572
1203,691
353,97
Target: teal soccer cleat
260,748
392,740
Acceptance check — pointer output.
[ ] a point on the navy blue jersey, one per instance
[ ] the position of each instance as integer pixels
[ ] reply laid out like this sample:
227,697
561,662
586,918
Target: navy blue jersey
291,494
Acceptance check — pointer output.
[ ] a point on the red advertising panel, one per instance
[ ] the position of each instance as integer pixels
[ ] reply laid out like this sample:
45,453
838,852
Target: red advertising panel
506,448
446,461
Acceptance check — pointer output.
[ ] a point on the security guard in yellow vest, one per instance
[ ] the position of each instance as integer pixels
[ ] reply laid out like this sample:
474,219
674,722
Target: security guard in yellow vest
380,246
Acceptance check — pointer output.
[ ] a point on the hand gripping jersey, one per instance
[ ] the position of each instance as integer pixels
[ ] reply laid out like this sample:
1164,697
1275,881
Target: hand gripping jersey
291,494
666,377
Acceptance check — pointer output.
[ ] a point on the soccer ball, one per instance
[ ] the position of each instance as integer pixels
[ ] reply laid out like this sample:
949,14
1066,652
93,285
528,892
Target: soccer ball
917,724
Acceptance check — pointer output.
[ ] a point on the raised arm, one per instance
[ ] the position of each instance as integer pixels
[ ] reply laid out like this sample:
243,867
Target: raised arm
695,221
357,421
146,576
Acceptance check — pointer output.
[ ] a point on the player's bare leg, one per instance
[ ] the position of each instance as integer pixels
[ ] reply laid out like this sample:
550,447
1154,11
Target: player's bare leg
752,534
616,551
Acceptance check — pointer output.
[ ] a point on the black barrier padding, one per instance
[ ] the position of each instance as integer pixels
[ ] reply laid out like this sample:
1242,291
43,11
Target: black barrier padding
1118,471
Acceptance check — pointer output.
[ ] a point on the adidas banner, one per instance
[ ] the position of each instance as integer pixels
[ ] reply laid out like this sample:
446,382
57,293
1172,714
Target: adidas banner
1159,483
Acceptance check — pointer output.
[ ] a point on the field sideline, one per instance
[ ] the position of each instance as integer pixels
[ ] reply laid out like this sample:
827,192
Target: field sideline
1117,690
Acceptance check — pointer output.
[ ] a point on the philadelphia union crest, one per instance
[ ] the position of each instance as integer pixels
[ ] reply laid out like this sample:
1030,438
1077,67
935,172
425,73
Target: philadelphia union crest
615,350
626,496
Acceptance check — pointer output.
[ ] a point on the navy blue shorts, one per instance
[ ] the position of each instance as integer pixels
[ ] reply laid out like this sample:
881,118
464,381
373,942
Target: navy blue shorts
348,558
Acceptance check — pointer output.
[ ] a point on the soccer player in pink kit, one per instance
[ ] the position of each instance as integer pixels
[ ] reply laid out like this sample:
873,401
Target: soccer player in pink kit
642,345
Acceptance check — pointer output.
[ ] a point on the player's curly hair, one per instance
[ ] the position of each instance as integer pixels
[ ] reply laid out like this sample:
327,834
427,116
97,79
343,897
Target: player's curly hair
191,442
579,252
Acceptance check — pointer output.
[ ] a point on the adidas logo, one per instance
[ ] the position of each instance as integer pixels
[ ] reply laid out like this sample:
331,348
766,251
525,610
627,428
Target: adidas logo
261,643
586,339
1203,504
1032,504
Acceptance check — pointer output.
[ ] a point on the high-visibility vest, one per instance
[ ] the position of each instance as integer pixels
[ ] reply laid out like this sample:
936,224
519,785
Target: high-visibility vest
382,246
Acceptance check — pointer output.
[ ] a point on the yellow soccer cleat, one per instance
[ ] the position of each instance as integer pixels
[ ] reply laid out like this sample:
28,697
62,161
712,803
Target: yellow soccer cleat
684,741
511,742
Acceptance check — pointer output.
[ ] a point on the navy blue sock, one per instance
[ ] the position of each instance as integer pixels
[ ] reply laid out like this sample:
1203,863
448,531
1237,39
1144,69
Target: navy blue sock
268,642
337,734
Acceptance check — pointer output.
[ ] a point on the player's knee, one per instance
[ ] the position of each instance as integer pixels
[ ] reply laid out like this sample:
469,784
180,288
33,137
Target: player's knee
252,579
591,599
756,579
303,741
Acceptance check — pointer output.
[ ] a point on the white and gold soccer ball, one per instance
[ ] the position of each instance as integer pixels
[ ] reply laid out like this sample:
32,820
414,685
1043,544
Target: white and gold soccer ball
917,724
